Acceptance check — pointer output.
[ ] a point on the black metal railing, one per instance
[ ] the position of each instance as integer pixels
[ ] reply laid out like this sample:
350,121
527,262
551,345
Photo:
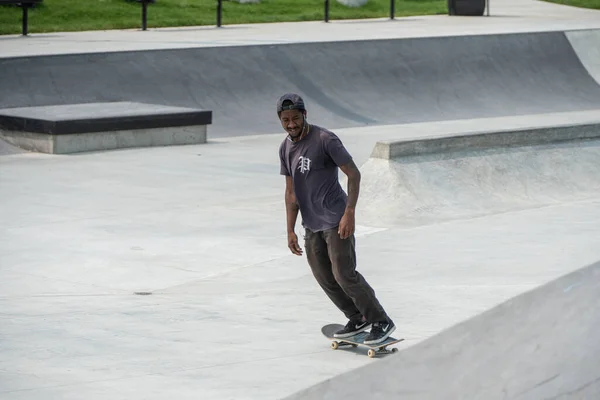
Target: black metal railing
145,14
26,4
220,11
325,13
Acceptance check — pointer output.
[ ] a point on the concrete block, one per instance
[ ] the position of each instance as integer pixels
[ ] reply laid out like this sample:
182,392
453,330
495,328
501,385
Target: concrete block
78,128
112,140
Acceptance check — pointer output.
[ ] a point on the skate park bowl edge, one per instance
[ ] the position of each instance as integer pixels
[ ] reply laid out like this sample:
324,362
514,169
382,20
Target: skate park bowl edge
345,84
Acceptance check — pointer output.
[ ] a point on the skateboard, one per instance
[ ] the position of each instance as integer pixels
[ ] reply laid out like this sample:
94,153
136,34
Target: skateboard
358,340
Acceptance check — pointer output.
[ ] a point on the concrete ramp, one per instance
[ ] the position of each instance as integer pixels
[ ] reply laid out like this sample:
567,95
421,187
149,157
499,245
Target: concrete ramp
431,179
345,84
585,44
542,344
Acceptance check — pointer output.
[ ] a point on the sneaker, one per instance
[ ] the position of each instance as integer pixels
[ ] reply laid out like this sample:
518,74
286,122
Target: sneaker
380,331
352,328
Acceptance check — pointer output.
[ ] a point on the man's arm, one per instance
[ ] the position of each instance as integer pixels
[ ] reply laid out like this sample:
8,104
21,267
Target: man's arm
347,225
335,149
291,208
353,174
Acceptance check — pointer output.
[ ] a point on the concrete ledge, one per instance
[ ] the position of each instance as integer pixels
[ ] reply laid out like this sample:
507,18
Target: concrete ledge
102,126
81,142
485,140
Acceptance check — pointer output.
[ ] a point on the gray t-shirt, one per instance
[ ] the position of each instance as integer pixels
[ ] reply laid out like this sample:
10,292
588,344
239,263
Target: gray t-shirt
313,164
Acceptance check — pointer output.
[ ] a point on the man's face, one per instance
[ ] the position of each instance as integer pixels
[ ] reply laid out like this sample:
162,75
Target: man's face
292,121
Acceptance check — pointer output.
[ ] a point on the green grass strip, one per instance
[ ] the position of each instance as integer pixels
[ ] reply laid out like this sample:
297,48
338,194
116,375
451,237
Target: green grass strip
79,15
593,4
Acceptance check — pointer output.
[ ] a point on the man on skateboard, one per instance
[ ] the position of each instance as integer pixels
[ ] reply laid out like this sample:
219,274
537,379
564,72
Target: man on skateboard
310,157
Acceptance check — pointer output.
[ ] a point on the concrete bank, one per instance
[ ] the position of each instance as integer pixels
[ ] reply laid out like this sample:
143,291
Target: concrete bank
436,178
538,345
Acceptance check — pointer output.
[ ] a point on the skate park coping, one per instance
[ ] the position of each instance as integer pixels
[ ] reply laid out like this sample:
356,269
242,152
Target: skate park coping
546,132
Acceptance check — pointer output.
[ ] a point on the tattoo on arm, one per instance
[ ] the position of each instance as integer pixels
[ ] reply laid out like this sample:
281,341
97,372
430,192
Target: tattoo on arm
353,190
291,207
353,174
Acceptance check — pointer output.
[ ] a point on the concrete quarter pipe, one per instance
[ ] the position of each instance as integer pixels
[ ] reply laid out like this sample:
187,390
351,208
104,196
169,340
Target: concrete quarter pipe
345,84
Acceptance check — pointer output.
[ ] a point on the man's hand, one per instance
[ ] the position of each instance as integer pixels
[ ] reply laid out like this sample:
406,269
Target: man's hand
346,228
293,244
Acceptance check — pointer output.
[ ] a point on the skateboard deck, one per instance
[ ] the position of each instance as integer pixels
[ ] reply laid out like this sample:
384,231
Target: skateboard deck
358,340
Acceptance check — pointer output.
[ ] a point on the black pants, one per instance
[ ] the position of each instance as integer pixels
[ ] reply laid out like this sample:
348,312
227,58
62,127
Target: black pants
333,264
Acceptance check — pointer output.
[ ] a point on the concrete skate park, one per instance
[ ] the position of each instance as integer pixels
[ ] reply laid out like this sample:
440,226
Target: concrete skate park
142,237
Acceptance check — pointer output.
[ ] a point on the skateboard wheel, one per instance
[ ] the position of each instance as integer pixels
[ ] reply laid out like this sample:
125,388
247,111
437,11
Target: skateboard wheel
394,350
371,353
334,345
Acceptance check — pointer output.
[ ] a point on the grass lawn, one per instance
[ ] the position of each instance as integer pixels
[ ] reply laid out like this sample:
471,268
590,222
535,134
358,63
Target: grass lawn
595,4
78,15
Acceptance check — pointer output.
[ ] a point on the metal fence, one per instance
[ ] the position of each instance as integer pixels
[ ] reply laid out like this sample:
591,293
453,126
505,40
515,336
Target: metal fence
455,7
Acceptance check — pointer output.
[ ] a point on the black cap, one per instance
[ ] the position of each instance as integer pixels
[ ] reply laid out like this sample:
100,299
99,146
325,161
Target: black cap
296,100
